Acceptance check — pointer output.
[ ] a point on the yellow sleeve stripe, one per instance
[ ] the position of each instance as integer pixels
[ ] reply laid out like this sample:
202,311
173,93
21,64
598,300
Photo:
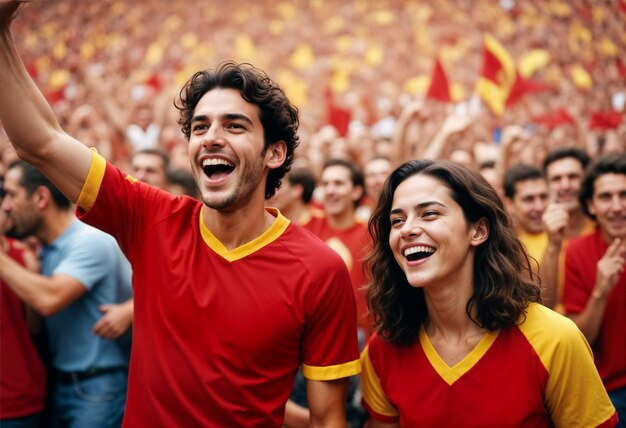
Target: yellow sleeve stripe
338,371
373,393
90,189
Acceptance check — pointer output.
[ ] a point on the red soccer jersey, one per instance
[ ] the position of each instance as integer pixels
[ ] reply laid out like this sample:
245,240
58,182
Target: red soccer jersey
581,266
537,374
218,335
352,245
22,375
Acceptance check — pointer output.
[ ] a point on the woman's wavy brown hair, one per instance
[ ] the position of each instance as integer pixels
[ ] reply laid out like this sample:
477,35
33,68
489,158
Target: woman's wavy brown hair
504,283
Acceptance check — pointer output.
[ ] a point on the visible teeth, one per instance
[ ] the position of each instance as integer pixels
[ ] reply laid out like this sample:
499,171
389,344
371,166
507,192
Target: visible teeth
214,162
418,249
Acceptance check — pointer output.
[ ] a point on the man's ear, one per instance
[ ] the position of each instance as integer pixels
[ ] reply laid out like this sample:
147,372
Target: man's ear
480,232
357,193
276,154
297,190
42,197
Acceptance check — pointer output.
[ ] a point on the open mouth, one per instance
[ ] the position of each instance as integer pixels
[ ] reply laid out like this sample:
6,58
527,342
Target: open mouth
418,252
217,169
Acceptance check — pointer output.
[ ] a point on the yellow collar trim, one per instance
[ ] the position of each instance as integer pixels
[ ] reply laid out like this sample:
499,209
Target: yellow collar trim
270,235
452,374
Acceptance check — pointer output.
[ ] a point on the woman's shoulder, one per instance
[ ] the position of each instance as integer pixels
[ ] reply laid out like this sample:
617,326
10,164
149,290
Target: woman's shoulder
552,335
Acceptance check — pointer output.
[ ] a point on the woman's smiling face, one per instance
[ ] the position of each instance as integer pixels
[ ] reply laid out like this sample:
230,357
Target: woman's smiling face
430,237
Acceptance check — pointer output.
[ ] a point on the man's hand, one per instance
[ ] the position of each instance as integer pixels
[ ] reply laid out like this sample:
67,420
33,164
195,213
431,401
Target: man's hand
555,219
115,321
610,267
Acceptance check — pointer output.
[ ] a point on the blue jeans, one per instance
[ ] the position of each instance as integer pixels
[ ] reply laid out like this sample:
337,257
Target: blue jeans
94,402
618,398
31,421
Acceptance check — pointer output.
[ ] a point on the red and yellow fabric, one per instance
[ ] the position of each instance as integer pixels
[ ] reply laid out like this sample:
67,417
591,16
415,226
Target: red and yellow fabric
539,373
497,76
218,335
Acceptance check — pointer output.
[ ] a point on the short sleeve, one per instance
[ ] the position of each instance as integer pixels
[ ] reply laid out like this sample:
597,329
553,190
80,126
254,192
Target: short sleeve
374,398
330,345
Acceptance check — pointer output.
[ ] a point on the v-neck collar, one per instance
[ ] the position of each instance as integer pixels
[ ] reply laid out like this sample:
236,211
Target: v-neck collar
270,235
452,374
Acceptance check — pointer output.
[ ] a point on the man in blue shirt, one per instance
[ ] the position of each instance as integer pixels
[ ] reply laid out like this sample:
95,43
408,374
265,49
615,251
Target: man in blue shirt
85,275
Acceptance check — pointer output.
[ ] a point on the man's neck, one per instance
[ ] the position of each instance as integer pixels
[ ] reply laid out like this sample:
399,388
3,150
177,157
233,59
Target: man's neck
55,222
298,213
576,224
342,221
236,228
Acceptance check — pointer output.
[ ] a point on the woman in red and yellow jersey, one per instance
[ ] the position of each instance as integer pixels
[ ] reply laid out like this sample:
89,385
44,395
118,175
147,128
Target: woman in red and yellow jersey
462,339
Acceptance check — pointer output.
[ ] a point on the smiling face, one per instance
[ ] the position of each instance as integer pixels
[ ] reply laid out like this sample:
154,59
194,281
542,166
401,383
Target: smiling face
608,204
339,192
430,238
565,178
226,150
529,204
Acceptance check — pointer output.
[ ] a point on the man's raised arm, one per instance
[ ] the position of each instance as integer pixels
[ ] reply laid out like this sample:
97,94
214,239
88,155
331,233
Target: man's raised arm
29,121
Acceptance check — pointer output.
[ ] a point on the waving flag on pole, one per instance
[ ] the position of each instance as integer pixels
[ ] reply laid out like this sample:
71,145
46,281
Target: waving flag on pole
439,88
497,76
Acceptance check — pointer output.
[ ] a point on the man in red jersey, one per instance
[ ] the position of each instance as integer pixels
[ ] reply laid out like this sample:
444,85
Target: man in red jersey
22,374
594,292
342,189
230,298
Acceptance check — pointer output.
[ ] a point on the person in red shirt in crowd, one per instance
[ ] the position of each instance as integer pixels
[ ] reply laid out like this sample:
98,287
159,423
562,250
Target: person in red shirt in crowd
22,373
230,298
594,294
342,190
461,337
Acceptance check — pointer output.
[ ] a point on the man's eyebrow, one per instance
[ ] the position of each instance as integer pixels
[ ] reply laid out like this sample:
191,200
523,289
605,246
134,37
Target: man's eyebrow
238,116
227,116
199,118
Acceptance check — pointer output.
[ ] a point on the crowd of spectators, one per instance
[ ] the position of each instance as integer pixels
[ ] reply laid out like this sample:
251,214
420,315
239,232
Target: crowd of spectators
108,66
359,72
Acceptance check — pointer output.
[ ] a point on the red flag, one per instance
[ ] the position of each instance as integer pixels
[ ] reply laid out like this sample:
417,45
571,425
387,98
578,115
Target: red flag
336,116
439,88
557,118
521,87
497,75
604,120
